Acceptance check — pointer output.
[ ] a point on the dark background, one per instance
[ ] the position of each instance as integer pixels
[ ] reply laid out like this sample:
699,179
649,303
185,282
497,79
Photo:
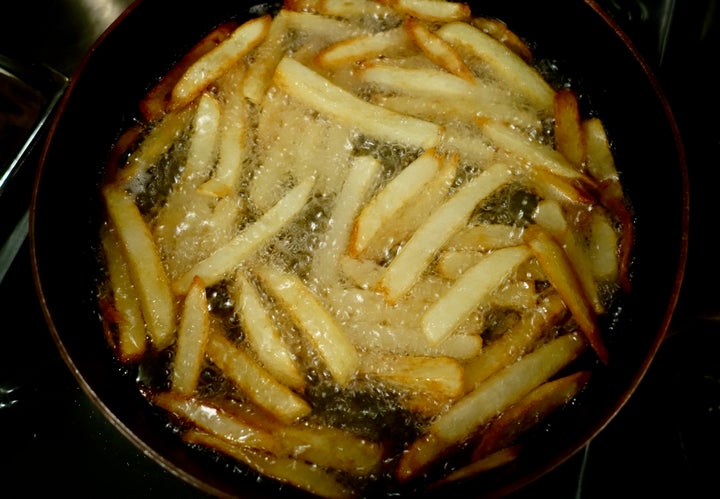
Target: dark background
665,440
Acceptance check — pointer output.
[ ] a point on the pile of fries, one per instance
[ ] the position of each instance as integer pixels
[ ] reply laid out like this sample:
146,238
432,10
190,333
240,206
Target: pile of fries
377,201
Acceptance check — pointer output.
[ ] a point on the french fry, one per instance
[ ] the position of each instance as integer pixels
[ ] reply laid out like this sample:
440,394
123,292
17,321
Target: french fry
215,63
528,411
361,9
469,291
362,47
437,50
484,237
563,277
503,62
602,247
146,270
192,337
570,138
131,338
549,214
288,470
442,376
514,342
465,417
337,352
393,198
500,31
311,89
414,258
552,186
486,463
431,10
229,256
254,381
259,74
154,105
264,337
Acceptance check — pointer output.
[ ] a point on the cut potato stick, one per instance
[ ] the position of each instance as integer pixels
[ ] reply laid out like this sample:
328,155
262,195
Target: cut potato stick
357,49
465,417
201,153
431,10
500,31
534,154
470,290
146,270
264,337
603,247
214,419
449,218
319,326
295,472
442,376
562,189
484,237
514,342
579,254
486,463
316,92
267,55
569,132
192,337
503,62
600,161
393,198
437,50
131,337
354,9
563,277
226,258
549,214
155,102
529,411
326,260
254,381
215,63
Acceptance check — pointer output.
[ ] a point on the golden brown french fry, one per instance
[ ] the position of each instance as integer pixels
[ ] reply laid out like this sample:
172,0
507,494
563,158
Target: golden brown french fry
500,31
600,161
562,276
465,417
192,337
288,470
316,92
562,189
146,270
529,411
569,132
393,198
470,290
442,376
229,256
254,381
215,63
486,463
503,62
154,104
319,326
263,336
437,50
131,337
448,219
515,342
431,10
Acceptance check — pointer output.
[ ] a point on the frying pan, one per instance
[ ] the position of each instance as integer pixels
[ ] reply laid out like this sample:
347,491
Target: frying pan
575,35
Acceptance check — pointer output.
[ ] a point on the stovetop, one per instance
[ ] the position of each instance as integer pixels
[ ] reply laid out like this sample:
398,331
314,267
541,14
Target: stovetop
665,440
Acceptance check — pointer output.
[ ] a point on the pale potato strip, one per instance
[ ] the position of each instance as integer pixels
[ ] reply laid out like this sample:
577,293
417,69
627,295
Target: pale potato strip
549,214
437,50
192,337
226,258
470,290
259,74
215,63
329,340
362,47
295,472
354,9
308,87
515,342
477,408
253,381
603,247
483,237
600,161
393,198
432,10
264,337
449,218
504,63
131,340
203,141
146,269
